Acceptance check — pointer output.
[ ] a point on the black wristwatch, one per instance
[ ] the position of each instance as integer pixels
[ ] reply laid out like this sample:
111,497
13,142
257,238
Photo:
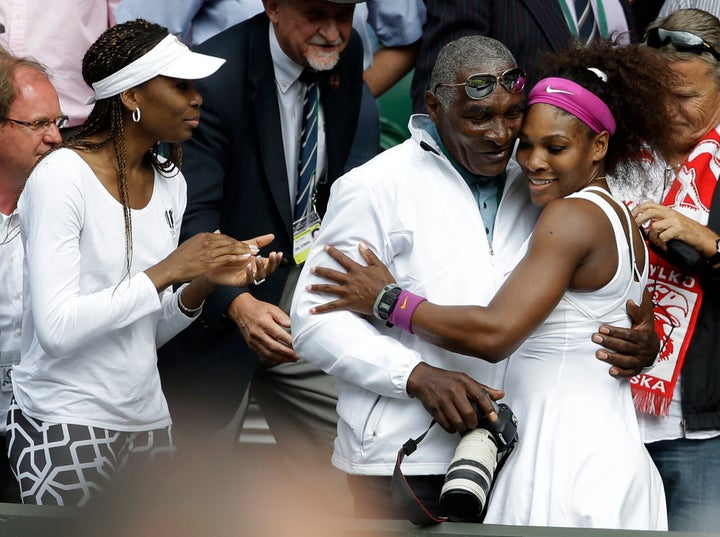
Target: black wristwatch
386,300
714,260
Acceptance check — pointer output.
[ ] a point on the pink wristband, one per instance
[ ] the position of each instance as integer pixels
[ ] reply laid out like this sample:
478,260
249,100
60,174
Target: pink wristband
401,315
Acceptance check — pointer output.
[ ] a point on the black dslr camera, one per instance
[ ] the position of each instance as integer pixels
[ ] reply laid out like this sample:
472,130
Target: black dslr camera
472,467
504,430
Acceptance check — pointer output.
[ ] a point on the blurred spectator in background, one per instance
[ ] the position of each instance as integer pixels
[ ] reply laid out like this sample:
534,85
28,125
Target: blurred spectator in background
193,21
711,6
526,28
58,41
644,12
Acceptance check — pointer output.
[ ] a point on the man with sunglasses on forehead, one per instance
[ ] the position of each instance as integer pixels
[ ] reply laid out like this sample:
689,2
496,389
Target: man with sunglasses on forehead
30,118
679,398
448,210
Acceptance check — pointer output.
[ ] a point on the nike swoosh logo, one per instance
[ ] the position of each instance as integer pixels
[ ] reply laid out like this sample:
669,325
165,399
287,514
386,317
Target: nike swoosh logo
404,304
550,89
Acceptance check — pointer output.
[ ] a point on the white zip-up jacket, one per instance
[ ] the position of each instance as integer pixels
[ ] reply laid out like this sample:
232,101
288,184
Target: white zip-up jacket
418,214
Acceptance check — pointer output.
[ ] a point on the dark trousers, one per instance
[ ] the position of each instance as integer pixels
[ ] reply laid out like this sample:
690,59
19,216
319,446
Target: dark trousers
373,495
9,488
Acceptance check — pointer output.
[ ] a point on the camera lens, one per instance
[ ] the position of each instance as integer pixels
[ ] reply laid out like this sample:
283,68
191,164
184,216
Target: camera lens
469,476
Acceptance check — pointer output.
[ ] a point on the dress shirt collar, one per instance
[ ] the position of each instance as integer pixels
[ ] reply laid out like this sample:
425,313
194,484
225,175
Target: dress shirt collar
469,177
286,70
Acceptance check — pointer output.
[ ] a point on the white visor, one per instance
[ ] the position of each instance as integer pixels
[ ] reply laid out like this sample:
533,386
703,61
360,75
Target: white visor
169,57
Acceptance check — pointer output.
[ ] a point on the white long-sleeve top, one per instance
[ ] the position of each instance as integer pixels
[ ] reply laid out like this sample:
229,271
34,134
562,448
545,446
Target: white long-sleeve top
11,259
90,331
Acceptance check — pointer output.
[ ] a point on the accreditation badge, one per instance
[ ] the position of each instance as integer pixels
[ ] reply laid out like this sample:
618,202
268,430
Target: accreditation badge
305,232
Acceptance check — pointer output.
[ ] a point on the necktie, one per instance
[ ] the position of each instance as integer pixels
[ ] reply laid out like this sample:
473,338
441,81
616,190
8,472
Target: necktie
307,165
585,20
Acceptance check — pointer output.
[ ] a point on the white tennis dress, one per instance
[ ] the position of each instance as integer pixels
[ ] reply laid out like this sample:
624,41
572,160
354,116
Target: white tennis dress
580,461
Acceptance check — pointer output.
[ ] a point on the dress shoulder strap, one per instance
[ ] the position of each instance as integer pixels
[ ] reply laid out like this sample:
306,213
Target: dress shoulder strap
606,200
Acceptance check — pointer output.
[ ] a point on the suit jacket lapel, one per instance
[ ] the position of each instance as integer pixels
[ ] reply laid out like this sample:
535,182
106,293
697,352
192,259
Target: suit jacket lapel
262,77
330,92
550,21
335,97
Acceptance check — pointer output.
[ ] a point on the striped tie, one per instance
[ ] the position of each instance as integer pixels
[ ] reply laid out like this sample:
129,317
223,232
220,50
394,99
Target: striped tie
307,165
585,20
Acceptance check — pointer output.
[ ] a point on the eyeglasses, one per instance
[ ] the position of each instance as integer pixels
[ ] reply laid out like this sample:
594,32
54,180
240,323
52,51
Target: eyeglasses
682,41
480,85
40,124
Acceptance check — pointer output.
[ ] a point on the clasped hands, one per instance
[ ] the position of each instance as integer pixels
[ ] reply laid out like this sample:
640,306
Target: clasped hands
216,259
236,263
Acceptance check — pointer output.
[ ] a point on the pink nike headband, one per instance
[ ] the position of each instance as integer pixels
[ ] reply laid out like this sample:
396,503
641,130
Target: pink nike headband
573,98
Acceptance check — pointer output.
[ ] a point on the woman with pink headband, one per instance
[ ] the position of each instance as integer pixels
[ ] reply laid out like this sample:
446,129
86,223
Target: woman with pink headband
579,461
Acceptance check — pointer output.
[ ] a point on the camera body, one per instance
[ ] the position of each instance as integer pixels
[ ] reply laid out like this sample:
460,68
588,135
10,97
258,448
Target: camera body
504,430
472,468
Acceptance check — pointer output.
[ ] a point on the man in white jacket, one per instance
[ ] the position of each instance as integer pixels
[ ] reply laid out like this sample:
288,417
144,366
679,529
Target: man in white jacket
447,211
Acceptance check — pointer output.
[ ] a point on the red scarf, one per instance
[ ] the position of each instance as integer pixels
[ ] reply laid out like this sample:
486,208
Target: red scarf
678,297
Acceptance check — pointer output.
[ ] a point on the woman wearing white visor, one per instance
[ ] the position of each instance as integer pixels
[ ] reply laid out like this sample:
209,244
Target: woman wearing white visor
100,219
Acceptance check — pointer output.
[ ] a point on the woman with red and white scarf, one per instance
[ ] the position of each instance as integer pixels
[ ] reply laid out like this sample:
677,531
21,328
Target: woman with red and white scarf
679,398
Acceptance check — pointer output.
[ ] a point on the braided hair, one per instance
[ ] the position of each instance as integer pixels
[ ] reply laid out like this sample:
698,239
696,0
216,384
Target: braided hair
117,47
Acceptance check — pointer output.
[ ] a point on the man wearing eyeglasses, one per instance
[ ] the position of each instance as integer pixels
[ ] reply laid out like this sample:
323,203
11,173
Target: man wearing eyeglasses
447,211
27,29
29,120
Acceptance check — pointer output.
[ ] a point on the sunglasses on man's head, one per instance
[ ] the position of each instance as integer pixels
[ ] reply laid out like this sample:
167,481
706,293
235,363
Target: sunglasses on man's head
681,40
480,85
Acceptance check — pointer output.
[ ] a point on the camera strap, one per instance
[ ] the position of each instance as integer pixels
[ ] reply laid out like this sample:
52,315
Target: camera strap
403,493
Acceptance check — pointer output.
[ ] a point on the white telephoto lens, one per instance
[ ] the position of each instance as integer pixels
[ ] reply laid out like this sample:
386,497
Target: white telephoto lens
469,476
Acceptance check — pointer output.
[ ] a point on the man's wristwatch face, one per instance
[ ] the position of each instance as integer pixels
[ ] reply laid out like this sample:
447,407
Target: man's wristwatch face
387,302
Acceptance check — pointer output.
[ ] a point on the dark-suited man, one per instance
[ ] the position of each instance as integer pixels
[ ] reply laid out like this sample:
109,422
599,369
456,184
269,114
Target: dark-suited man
242,173
526,27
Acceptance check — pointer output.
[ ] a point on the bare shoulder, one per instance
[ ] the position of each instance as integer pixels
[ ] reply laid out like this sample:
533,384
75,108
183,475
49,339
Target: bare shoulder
567,217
